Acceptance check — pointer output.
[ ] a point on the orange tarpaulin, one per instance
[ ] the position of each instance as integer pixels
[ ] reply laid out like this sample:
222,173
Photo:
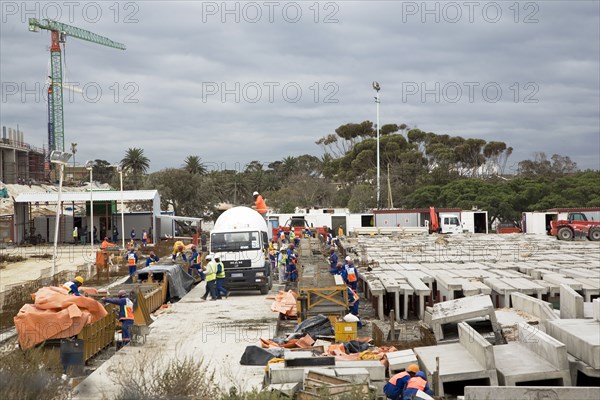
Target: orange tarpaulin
54,315
285,303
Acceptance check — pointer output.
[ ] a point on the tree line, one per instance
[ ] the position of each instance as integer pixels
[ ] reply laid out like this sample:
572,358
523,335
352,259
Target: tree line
418,169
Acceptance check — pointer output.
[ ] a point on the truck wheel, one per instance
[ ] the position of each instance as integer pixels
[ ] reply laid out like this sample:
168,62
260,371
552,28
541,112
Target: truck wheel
264,289
594,234
565,234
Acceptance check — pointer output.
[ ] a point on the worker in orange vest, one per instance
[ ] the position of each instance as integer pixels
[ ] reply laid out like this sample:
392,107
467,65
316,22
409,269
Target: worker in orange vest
144,238
132,260
125,313
259,204
106,243
395,386
414,384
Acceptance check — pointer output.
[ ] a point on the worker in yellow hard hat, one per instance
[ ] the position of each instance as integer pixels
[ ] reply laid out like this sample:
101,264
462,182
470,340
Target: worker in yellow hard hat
395,386
72,287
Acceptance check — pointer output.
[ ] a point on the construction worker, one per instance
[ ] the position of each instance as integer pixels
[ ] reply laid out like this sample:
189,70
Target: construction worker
259,204
353,302
144,238
115,233
281,257
414,384
210,273
333,258
339,270
329,239
292,236
351,273
307,233
221,290
106,243
395,386
75,236
132,259
196,263
292,271
73,286
340,231
152,258
132,235
125,313
178,249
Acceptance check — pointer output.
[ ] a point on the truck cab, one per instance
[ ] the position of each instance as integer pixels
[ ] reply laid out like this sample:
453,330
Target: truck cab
240,239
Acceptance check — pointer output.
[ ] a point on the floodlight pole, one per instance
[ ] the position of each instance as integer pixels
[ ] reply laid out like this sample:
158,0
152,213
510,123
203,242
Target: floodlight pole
57,222
120,170
378,165
90,166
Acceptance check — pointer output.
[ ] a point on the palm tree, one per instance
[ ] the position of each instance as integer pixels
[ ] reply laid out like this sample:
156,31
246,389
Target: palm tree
193,165
136,162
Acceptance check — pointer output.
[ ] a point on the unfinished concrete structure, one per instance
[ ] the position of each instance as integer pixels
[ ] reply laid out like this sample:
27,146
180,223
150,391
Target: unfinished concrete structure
20,160
468,362
531,393
582,339
442,318
534,359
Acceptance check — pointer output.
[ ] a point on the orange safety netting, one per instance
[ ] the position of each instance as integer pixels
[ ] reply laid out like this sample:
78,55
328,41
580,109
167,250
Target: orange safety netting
54,315
285,303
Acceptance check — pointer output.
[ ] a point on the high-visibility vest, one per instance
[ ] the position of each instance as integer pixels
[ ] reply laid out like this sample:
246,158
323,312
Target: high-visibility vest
221,268
354,295
211,271
130,259
416,382
351,274
292,235
128,310
398,376
260,204
69,286
144,236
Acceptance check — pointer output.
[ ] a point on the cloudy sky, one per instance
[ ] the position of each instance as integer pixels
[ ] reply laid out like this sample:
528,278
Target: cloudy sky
240,81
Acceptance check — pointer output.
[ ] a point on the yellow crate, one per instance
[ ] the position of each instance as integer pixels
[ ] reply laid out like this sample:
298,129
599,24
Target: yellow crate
345,331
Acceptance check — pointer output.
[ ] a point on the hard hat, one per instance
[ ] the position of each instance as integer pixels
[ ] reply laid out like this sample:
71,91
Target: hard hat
255,194
421,374
122,293
413,368
79,279
348,258
216,256
208,257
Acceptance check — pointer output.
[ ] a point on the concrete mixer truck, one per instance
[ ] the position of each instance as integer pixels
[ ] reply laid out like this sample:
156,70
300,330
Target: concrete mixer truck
240,239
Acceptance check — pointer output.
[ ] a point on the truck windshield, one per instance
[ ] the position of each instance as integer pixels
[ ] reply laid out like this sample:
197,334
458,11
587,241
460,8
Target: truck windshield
234,241
451,221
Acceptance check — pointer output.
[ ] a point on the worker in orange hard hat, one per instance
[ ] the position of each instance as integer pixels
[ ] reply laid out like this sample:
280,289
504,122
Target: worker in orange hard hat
395,386
73,286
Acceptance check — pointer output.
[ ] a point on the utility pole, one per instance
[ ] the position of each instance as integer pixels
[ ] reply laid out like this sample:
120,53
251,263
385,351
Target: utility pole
377,88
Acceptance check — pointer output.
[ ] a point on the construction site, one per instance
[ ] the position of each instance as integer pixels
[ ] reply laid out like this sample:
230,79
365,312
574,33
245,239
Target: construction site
467,277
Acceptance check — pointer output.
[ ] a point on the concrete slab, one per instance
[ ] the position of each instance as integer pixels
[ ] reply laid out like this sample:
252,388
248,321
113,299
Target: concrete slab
279,373
217,331
400,360
571,303
354,375
530,393
375,368
581,336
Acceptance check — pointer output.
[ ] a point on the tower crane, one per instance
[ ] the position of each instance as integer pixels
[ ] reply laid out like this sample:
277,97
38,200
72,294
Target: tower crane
59,31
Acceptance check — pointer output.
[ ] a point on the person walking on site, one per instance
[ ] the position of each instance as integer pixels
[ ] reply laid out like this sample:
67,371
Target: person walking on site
125,313
132,259
73,286
281,258
259,204
132,235
115,233
210,273
221,290
75,236
340,231
144,238
351,273
395,386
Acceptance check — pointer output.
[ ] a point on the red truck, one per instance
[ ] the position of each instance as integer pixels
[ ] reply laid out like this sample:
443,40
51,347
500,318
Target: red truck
576,225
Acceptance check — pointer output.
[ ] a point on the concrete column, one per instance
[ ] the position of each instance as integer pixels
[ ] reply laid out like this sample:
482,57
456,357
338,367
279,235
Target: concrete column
380,307
421,306
405,305
397,305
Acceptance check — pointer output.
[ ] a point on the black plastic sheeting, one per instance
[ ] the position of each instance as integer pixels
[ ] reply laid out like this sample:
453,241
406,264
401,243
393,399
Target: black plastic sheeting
180,282
319,325
354,346
254,355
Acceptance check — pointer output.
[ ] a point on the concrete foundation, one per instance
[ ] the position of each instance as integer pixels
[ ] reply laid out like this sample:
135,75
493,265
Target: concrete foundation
531,393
